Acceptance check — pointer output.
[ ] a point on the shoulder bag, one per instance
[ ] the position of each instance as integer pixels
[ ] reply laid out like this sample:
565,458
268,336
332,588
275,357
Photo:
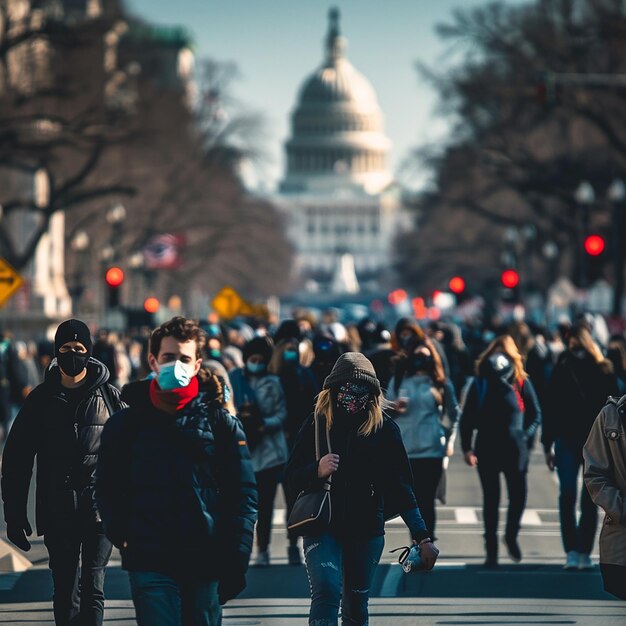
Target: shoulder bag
311,512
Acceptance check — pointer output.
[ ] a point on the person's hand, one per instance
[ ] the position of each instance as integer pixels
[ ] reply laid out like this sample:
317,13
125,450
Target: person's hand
17,533
450,449
471,459
328,465
550,460
429,554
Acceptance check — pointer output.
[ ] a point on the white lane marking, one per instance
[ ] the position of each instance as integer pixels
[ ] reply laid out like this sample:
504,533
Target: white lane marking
531,518
465,515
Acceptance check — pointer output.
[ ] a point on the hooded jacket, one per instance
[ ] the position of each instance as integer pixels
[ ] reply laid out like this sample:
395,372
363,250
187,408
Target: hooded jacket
62,428
605,477
177,493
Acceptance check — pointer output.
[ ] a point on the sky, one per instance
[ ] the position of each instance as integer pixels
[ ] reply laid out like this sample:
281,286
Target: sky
276,44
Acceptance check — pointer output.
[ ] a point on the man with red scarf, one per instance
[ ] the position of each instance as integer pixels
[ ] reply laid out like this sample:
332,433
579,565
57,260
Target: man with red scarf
176,488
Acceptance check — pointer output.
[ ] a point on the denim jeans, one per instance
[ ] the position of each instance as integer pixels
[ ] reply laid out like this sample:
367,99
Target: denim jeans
161,600
78,594
578,536
331,564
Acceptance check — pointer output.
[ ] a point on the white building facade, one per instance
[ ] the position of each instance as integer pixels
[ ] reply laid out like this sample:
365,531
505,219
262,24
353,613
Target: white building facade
338,193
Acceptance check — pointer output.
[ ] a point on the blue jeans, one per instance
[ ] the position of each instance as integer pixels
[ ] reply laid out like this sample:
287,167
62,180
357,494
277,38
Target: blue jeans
331,564
161,600
578,536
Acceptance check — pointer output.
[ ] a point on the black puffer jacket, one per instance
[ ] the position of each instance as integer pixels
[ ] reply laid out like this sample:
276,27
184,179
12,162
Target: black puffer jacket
177,493
373,482
62,429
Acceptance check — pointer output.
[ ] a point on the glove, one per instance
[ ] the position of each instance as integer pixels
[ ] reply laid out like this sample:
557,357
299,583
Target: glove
17,534
230,586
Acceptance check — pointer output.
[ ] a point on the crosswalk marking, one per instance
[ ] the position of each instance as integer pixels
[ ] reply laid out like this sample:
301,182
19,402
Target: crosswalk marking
465,515
531,518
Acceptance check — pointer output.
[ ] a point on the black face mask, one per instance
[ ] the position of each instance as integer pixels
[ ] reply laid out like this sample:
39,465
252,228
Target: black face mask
72,363
422,362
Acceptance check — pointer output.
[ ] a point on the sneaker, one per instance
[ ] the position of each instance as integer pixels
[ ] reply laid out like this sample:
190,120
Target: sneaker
585,562
572,560
262,559
513,548
293,555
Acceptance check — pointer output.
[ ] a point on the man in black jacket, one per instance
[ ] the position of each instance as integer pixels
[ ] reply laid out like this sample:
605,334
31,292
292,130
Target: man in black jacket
60,424
176,488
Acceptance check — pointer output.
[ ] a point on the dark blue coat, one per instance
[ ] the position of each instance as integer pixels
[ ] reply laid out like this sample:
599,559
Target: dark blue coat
176,493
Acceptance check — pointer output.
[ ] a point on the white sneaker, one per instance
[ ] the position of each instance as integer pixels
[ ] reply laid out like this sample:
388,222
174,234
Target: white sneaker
572,561
584,562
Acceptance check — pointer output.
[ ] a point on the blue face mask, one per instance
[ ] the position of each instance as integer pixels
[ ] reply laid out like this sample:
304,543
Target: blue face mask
215,353
227,394
173,375
256,368
290,356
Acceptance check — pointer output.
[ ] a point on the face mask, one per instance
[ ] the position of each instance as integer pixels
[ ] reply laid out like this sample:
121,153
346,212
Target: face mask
290,356
423,362
405,341
227,394
255,368
501,366
72,363
173,376
215,353
214,329
579,353
353,397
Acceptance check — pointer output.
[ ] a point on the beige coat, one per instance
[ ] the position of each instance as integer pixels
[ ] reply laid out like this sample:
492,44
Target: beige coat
605,477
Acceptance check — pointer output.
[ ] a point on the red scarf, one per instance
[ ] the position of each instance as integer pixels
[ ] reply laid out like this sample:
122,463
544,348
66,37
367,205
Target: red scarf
174,400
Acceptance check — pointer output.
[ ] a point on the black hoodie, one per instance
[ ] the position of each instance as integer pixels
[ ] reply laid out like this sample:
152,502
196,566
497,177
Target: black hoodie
62,428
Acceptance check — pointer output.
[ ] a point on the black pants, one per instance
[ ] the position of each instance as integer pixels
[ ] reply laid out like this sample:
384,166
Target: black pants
426,477
614,578
78,593
267,482
489,472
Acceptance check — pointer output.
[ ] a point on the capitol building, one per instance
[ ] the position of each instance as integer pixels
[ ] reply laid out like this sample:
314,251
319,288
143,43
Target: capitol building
343,209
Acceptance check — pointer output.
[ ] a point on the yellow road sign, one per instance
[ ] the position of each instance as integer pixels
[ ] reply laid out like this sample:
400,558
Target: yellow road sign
10,281
227,303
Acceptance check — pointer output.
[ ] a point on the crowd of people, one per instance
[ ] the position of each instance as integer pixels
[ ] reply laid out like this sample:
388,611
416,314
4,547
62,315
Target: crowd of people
210,419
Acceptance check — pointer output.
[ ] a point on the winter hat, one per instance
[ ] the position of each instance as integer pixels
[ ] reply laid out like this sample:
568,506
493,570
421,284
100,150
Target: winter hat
259,345
289,329
353,366
73,330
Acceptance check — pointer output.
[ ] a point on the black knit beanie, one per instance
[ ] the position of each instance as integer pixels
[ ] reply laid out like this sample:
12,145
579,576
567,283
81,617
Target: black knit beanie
353,366
288,329
73,330
259,345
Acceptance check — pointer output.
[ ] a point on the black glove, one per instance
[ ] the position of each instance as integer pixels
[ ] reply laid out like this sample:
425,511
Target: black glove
233,580
17,533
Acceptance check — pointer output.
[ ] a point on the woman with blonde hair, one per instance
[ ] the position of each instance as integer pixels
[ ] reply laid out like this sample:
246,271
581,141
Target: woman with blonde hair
369,476
500,416
581,382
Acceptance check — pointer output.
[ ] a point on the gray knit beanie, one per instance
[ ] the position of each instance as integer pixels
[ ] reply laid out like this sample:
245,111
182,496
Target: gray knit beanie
353,366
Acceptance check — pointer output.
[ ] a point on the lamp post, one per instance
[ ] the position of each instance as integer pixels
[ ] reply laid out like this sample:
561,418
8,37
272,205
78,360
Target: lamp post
115,217
617,197
585,196
79,245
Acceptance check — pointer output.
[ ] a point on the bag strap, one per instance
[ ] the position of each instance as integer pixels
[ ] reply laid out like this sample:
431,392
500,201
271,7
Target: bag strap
317,442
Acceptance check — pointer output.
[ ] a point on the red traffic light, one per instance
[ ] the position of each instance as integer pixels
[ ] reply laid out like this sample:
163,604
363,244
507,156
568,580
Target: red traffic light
151,305
510,279
457,285
594,245
114,276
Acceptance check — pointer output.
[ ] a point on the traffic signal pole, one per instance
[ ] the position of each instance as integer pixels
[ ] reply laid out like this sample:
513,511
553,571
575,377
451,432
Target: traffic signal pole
619,256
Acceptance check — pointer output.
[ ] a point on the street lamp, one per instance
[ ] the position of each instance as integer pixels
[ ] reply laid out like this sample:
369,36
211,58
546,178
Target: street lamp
617,196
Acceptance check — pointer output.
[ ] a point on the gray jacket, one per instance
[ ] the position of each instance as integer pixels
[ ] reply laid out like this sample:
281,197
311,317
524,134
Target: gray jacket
605,477
272,447
421,426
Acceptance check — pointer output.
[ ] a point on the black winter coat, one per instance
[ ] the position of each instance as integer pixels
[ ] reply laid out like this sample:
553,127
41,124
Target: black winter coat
65,438
577,391
300,388
372,484
177,493
504,431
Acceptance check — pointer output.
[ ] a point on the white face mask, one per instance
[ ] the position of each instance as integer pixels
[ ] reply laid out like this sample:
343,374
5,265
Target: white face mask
174,375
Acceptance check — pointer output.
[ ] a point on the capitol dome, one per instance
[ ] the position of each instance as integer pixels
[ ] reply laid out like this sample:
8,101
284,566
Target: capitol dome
337,133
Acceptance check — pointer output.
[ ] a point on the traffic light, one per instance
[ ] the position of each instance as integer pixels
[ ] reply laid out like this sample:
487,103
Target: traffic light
594,260
594,245
114,278
457,285
151,305
510,281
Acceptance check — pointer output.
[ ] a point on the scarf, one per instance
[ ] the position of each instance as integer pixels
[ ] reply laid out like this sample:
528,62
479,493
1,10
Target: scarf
175,400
